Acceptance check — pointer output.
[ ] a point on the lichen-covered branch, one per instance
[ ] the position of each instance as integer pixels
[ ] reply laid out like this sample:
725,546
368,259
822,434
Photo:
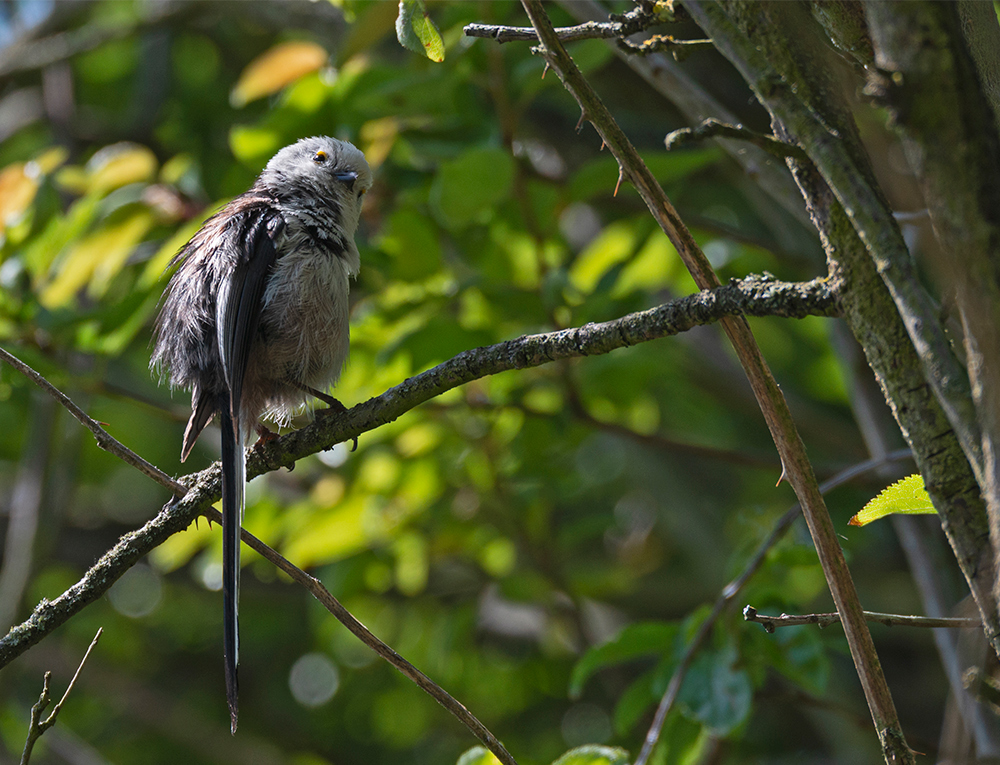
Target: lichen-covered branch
754,296
806,108
796,467
640,18
929,83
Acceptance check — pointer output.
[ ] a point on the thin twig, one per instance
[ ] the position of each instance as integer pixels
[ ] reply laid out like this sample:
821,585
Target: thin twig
796,467
37,726
636,20
769,623
104,439
679,49
345,617
713,128
731,590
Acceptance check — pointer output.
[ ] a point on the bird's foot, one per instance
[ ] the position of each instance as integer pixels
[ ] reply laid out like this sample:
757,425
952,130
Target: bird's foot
266,436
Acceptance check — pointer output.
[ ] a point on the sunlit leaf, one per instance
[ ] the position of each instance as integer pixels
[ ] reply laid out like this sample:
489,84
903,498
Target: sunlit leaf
614,244
411,571
593,754
417,32
337,534
96,259
905,496
156,266
252,144
274,69
378,137
119,165
478,755
17,191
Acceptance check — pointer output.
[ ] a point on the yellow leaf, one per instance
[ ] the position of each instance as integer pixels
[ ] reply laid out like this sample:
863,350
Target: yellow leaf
119,165
274,69
156,266
96,259
19,184
50,159
378,137
613,245
17,191
906,496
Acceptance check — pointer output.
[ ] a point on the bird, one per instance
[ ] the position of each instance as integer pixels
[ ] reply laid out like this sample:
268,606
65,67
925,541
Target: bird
254,320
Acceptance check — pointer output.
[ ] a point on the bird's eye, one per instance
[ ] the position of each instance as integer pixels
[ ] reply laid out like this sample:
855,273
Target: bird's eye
319,157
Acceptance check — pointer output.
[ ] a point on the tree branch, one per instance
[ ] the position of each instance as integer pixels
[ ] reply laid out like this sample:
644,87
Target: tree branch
812,114
38,726
753,296
104,439
618,26
890,620
713,128
345,617
796,466
920,44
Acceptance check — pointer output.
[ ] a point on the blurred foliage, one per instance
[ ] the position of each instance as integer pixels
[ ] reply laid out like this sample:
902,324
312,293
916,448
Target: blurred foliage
543,544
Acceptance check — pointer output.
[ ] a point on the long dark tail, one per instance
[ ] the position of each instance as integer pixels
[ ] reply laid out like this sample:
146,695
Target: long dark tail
233,484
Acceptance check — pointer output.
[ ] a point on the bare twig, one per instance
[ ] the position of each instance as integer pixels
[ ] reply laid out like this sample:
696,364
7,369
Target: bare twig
636,20
713,128
796,466
731,590
770,623
38,726
104,439
672,81
679,49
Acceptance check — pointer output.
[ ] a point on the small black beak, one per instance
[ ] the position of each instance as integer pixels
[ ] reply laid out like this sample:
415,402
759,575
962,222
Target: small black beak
347,178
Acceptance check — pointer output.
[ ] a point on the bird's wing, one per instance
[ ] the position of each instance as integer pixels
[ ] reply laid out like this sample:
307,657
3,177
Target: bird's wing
240,298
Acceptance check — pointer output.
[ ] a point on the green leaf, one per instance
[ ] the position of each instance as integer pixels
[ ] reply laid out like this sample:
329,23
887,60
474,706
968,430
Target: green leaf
412,240
415,30
593,754
609,248
477,756
716,693
472,185
633,703
633,642
906,496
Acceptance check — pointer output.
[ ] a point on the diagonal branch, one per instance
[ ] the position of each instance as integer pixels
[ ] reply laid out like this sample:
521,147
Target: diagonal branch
796,466
104,439
754,296
317,589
